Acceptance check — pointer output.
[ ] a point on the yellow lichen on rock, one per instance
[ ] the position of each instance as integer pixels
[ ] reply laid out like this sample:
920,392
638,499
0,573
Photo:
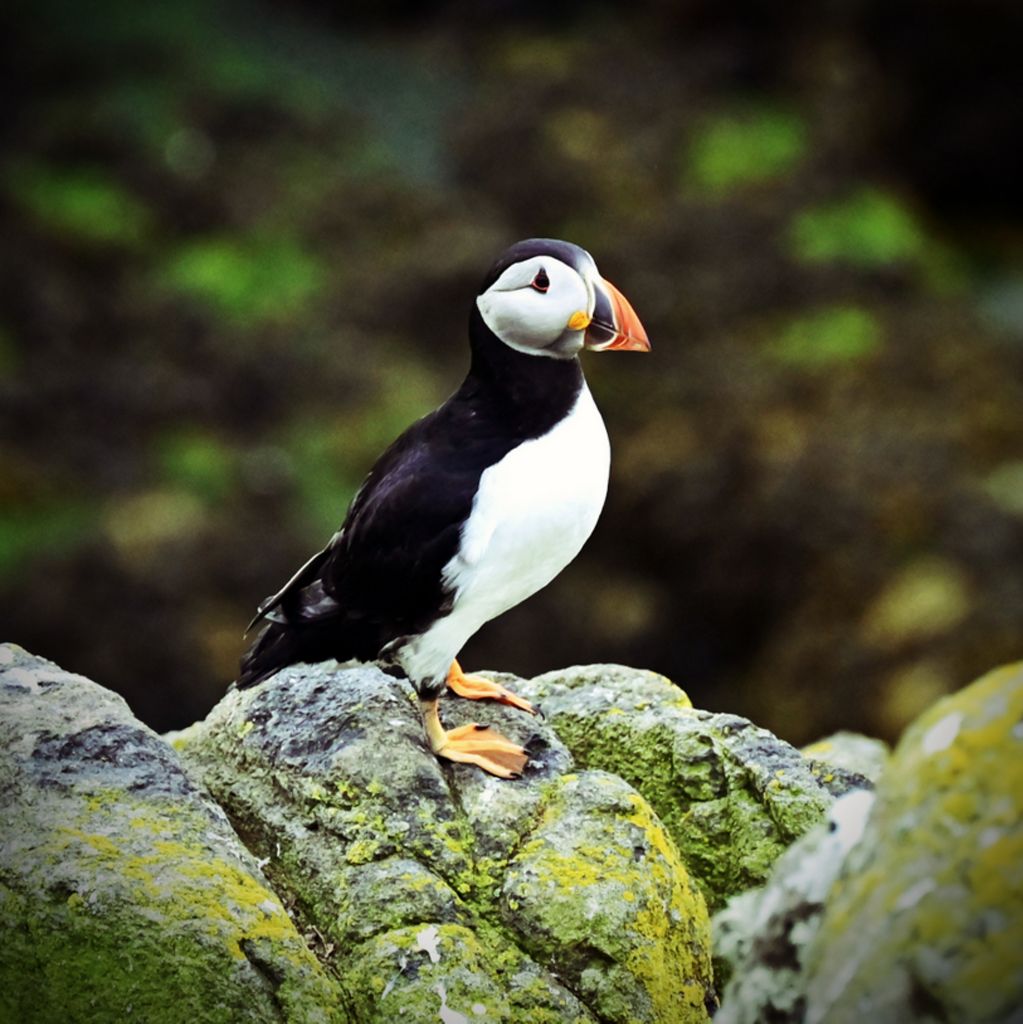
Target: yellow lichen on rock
929,909
600,892
731,795
126,895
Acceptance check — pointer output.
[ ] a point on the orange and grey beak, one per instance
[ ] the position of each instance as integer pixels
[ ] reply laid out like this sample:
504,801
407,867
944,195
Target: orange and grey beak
614,324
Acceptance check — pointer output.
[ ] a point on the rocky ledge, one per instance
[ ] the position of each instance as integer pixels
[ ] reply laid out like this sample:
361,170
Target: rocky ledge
301,856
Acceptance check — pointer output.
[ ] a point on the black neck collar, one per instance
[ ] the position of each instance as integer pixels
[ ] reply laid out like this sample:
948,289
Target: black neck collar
533,389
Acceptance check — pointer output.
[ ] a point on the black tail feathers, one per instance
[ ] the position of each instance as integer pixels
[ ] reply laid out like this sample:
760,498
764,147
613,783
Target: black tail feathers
270,651
281,644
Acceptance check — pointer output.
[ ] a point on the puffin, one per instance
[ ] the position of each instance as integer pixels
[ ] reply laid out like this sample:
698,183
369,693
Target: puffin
474,508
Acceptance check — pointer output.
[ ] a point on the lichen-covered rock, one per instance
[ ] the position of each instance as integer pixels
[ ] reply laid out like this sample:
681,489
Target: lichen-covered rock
442,893
732,795
124,893
852,752
574,895
761,936
925,922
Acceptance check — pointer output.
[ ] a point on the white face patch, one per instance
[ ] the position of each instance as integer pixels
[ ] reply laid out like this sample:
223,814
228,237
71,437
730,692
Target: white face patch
529,306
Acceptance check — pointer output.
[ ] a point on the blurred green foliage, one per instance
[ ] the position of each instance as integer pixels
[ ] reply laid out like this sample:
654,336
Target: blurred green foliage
869,228
39,531
81,203
329,455
242,241
737,149
925,600
199,462
1004,484
247,280
8,353
325,479
826,337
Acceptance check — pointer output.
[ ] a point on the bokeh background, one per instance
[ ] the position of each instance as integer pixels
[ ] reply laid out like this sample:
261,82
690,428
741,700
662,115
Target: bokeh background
239,246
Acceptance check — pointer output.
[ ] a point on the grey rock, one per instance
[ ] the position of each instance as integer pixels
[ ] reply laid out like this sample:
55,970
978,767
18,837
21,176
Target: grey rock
124,892
851,752
925,921
911,908
440,890
732,795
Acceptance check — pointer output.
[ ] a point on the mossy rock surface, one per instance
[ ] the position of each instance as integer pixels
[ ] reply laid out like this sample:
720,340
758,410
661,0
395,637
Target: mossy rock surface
733,796
124,892
926,921
440,892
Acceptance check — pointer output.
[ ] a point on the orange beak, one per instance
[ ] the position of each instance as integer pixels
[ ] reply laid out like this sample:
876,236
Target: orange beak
614,324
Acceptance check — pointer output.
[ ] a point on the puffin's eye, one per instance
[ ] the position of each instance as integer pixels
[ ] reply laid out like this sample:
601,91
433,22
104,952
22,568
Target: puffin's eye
541,282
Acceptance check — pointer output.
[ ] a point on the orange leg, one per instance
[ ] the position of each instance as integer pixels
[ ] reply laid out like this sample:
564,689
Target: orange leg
478,688
473,744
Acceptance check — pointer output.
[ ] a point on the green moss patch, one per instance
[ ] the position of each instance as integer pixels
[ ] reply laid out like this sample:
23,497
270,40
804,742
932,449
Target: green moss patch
732,796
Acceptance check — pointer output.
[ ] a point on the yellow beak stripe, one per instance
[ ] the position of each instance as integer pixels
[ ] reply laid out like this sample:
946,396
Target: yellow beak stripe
578,321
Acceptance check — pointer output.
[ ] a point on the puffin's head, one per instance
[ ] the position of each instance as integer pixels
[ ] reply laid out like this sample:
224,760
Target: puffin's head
545,297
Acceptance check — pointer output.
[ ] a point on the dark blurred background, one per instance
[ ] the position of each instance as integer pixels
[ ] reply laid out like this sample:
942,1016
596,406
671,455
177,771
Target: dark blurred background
240,242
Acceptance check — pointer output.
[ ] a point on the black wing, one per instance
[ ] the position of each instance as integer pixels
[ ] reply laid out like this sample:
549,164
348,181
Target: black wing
381,576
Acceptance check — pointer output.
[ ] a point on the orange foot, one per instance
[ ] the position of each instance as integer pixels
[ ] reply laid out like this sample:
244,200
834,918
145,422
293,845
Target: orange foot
478,688
474,744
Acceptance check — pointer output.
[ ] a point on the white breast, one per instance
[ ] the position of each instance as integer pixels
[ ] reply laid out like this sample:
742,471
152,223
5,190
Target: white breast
533,512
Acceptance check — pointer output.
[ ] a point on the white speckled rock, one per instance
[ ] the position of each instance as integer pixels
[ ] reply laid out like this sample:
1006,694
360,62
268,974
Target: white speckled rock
762,935
916,913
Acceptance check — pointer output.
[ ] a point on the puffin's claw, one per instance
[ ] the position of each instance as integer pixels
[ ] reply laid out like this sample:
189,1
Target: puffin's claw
474,744
478,688
485,747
